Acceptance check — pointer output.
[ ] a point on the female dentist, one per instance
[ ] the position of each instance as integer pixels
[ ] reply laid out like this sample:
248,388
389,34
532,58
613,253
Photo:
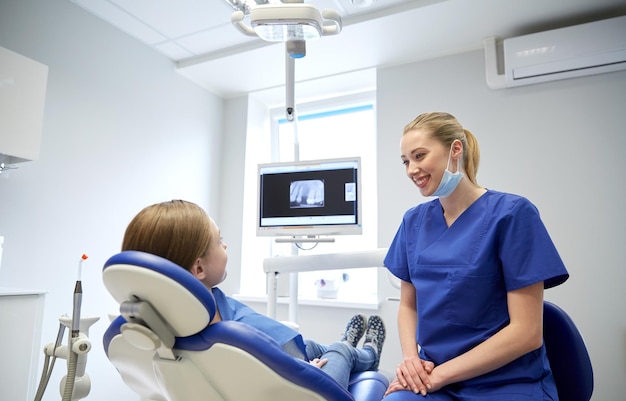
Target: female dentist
473,265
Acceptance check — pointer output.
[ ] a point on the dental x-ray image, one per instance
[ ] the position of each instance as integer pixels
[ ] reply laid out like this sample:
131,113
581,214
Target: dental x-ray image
306,193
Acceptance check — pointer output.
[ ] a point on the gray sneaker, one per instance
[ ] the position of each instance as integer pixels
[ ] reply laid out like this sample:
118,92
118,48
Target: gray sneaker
375,334
354,330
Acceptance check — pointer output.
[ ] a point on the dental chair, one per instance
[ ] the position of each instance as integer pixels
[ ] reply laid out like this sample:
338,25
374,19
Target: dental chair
567,353
165,350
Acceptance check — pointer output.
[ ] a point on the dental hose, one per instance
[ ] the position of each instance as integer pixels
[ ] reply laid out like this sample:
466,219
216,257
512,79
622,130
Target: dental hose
68,390
72,358
48,366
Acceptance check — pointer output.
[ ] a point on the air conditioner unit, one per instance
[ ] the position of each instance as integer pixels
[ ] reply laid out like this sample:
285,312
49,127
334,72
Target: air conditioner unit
574,51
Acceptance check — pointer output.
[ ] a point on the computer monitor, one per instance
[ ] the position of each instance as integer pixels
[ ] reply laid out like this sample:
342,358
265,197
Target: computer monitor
310,198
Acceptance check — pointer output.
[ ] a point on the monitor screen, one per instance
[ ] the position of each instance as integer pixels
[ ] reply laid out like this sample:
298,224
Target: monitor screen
310,198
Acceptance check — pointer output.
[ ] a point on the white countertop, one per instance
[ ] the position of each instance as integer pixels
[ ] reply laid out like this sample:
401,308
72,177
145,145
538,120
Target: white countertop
20,291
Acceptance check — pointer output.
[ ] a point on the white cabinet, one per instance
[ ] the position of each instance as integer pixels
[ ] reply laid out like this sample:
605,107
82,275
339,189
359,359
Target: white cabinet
22,96
21,314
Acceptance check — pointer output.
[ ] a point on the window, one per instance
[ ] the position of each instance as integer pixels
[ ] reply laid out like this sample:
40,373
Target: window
341,127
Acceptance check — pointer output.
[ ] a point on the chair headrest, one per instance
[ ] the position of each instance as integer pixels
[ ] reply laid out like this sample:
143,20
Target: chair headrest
183,302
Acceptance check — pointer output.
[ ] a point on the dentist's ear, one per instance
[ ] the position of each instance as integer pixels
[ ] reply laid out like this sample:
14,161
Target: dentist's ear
456,155
457,148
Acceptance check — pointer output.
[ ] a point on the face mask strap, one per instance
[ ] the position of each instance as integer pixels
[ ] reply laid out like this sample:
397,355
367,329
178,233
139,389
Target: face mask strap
458,162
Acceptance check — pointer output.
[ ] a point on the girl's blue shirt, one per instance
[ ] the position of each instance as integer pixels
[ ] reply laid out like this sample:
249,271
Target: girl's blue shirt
231,309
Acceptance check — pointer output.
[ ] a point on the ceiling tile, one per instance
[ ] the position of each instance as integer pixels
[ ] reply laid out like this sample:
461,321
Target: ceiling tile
121,19
173,50
175,18
212,40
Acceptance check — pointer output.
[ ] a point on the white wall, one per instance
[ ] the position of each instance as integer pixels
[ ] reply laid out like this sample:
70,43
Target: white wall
231,192
122,130
560,144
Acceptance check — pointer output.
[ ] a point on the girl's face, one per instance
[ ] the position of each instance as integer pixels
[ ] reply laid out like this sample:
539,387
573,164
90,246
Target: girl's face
424,158
211,268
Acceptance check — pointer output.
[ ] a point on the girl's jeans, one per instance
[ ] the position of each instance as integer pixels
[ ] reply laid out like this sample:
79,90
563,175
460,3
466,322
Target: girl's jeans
343,359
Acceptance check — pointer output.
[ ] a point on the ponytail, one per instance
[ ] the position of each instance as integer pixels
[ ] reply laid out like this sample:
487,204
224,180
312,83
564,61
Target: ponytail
471,156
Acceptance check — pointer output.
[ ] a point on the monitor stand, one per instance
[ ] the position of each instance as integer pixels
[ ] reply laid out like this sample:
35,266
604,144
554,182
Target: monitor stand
308,239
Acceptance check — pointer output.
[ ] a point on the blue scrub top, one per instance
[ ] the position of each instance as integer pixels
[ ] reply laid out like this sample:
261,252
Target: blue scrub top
462,274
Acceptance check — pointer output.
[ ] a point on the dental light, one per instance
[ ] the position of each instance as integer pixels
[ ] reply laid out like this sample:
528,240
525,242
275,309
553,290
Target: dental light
291,22
288,21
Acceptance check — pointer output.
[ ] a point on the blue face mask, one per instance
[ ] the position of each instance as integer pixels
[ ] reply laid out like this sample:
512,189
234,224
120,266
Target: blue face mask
450,180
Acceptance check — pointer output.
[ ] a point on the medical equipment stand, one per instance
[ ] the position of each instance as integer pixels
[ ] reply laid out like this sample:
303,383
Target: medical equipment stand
79,345
76,384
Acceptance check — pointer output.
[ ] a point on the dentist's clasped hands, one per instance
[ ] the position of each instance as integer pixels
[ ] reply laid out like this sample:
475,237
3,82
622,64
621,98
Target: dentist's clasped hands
413,374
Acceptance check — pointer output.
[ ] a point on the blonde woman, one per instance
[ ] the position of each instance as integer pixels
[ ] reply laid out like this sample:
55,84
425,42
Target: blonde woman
473,265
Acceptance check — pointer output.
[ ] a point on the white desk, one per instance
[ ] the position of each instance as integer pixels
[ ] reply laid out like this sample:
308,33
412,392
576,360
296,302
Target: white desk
21,314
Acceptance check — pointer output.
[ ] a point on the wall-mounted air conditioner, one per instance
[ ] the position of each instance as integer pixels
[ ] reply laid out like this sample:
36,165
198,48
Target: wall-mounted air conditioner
574,51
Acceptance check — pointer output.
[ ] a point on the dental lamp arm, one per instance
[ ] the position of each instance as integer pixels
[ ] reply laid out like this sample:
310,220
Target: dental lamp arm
332,21
236,19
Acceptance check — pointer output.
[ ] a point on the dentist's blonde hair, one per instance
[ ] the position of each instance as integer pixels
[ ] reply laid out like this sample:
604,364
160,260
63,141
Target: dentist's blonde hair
446,129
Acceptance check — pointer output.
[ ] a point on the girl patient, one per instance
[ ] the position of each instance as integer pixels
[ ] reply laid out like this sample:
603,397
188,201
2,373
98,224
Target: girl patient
183,233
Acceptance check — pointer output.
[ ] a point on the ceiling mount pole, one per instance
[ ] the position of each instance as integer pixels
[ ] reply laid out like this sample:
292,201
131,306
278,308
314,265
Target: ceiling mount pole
294,49
290,76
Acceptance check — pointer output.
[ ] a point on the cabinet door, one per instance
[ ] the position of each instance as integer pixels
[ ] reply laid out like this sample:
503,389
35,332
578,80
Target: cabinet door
21,315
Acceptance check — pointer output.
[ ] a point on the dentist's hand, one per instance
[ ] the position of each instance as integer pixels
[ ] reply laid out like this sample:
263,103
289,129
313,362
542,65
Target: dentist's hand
412,374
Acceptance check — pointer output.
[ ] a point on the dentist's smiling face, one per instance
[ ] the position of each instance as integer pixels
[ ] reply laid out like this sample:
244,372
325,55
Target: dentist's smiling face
424,159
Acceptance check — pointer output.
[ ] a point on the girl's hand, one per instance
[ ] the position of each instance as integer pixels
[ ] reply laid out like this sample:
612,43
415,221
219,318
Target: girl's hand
318,363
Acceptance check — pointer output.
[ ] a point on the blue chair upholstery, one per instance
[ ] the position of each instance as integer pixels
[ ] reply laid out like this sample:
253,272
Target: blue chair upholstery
567,353
165,349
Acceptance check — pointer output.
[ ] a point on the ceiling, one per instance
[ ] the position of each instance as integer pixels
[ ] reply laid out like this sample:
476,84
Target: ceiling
198,36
